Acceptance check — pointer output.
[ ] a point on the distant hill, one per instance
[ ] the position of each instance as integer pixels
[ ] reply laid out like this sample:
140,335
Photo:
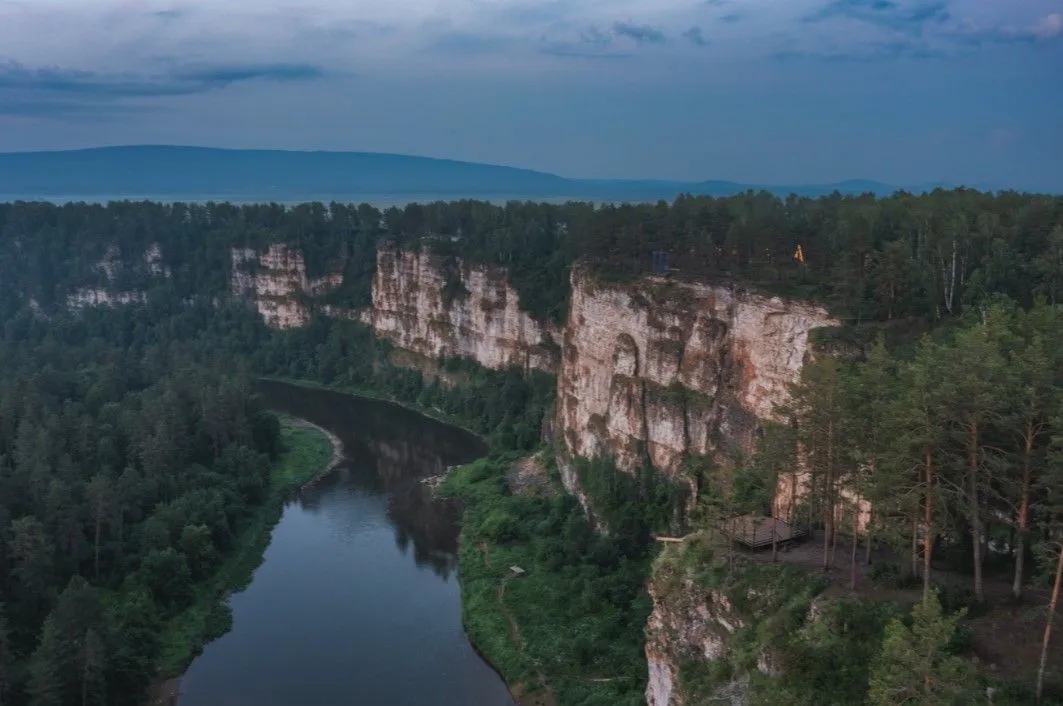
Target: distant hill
198,173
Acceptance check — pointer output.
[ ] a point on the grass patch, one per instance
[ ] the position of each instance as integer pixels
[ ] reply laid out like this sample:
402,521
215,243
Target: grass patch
575,619
182,638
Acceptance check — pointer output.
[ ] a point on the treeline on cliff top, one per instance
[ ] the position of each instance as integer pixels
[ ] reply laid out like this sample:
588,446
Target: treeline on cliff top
868,258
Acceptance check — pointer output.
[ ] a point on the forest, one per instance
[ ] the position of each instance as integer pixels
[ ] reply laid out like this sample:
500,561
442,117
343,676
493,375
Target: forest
133,449
126,475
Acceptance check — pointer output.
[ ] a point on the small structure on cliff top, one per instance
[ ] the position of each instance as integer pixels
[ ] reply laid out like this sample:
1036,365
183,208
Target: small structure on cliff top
516,572
660,262
755,531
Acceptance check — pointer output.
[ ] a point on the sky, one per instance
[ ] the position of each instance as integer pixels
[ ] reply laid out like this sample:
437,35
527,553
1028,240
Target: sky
758,91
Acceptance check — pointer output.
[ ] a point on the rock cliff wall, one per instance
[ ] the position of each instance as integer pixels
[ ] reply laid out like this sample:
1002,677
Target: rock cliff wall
276,282
484,322
658,369
649,371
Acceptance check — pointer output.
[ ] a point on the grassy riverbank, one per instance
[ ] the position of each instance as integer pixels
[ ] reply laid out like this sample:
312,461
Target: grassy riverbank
308,450
569,630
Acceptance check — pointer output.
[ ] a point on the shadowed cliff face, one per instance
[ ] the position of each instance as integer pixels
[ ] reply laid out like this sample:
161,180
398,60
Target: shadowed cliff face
659,369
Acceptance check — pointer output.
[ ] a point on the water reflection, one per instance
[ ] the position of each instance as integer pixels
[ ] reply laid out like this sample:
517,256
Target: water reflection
388,450
354,603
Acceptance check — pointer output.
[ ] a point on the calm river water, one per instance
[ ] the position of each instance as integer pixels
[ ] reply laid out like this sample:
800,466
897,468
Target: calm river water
357,602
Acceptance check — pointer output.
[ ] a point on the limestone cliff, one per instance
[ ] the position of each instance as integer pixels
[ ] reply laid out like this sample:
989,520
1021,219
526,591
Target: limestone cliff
276,282
483,322
658,369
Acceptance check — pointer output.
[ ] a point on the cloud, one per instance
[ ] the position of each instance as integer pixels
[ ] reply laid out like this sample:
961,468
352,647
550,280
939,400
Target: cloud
695,36
1049,26
214,76
593,43
731,18
890,14
870,52
1046,29
642,34
74,110
15,77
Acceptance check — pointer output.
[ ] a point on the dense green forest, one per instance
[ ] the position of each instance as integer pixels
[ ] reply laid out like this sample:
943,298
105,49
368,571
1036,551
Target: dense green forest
133,451
126,475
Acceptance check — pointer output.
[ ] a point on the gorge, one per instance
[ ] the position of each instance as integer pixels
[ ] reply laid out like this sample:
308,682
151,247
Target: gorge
620,401
648,372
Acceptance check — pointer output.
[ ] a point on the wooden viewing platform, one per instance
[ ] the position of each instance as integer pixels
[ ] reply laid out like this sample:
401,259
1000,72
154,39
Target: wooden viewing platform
755,531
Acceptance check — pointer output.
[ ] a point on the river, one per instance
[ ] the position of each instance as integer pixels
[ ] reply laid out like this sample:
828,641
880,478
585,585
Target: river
357,601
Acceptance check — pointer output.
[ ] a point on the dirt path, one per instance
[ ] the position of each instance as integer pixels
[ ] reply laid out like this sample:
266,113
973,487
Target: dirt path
540,698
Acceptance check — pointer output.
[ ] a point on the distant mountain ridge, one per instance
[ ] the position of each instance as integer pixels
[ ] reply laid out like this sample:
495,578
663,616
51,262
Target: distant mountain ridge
187,172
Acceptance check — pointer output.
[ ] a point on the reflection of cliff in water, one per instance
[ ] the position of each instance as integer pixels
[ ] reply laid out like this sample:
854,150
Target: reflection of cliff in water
387,450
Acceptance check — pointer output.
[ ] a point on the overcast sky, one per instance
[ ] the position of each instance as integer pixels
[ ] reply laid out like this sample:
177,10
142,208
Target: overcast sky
768,91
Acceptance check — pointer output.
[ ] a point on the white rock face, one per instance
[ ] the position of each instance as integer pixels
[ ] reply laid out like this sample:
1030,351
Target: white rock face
685,623
94,296
487,325
153,260
274,280
675,368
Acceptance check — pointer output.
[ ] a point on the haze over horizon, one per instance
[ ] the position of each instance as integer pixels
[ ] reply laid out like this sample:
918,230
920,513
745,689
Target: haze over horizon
757,91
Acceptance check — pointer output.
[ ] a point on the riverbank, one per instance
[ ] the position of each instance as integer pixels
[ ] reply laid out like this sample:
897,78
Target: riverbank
566,627
334,441
309,450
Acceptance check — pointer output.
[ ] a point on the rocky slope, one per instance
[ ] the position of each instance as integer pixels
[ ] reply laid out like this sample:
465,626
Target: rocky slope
723,632
660,369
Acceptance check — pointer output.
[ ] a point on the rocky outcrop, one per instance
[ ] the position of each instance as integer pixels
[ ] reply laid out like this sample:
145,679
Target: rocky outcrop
482,322
689,623
109,268
658,369
717,621
276,282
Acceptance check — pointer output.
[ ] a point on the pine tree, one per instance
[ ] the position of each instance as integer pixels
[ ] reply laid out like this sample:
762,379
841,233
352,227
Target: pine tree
915,450
817,404
915,668
977,390
1034,361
